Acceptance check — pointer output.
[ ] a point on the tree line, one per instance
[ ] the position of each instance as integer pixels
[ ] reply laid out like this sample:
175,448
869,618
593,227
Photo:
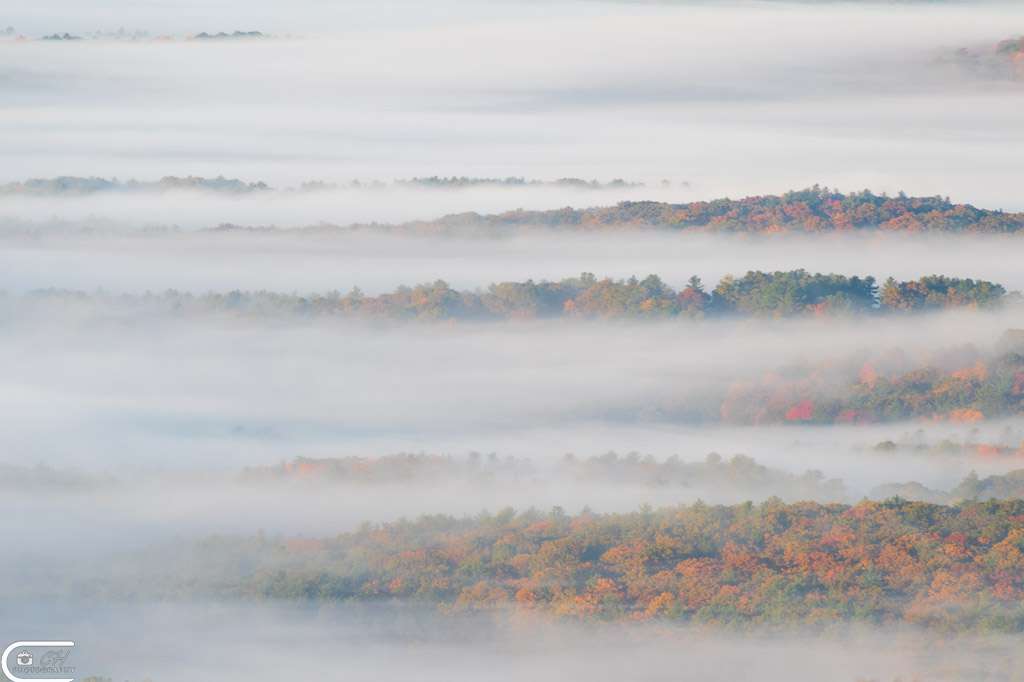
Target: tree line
739,476
960,385
812,210
773,565
795,293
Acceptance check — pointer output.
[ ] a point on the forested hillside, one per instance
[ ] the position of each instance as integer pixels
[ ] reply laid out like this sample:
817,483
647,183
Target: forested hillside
810,210
796,293
834,392
1000,61
949,568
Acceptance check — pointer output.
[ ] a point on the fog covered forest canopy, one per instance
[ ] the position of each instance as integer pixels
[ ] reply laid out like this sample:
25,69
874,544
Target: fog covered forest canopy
809,210
514,340
812,210
756,294
946,568
713,478
77,185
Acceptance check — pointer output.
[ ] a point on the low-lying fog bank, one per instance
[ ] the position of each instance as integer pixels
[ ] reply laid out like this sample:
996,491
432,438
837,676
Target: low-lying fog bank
184,209
98,390
266,642
683,91
316,262
85,512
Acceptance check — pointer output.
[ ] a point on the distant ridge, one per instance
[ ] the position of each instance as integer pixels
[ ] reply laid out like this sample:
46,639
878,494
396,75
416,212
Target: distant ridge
69,184
812,210
86,185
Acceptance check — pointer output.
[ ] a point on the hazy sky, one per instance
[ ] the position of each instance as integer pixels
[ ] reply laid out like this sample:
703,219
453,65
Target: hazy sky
733,97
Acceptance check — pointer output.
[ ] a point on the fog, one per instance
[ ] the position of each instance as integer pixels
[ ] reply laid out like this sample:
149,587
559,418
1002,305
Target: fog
85,385
173,409
129,429
90,509
289,207
262,643
308,263
840,94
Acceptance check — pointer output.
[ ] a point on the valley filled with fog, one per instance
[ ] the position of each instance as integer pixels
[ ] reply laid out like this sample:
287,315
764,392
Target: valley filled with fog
317,263
843,94
510,339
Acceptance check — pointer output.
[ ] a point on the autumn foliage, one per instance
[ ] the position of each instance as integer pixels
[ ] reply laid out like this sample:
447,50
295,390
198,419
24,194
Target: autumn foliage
962,386
772,565
1001,61
811,210
795,293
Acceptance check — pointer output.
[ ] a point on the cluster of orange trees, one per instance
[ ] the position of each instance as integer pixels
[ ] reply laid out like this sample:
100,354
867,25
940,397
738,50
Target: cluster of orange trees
773,564
1002,61
812,210
976,388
